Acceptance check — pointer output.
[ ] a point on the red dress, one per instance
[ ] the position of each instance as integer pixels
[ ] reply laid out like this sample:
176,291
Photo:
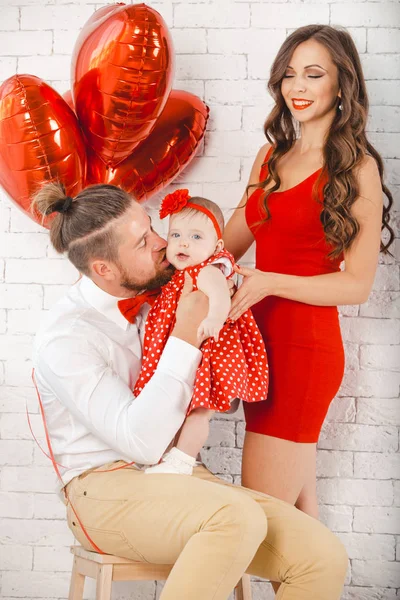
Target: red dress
303,342
234,367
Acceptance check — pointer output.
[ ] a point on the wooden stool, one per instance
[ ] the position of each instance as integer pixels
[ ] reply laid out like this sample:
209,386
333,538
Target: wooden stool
106,568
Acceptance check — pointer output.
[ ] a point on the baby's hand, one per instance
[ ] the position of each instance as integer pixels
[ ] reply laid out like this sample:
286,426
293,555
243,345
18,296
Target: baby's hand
209,327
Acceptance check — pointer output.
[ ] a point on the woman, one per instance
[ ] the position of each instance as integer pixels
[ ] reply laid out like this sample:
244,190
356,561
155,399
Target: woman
314,199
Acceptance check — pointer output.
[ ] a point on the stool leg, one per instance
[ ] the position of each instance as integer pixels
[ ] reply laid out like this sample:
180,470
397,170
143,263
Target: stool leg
243,589
77,583
104,581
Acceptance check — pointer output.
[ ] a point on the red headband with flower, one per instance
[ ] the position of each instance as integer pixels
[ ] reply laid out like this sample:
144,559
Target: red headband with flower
180,199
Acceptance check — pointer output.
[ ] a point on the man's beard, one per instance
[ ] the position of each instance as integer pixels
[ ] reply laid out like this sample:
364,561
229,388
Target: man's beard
155,282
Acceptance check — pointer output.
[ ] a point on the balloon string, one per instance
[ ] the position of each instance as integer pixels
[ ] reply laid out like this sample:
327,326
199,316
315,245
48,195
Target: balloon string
56,464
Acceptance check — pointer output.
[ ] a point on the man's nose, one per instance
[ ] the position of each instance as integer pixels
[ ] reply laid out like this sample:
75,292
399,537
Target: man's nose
159,243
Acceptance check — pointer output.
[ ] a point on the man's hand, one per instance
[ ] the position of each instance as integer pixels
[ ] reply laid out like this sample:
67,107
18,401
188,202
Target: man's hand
191,310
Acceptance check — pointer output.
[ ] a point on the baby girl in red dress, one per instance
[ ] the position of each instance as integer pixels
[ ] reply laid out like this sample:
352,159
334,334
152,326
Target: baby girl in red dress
234,362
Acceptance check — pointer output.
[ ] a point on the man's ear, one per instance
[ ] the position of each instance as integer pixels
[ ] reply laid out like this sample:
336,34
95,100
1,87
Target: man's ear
219,246
104,269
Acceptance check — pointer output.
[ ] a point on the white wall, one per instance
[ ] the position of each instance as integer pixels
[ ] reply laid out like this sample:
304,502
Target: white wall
224,50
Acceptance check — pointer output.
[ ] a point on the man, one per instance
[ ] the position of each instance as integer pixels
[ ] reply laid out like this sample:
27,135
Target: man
87,359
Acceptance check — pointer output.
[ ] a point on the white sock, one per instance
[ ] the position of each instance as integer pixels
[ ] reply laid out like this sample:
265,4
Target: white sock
174,461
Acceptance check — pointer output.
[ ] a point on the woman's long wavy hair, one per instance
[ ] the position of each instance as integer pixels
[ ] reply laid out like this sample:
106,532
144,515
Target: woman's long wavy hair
346,142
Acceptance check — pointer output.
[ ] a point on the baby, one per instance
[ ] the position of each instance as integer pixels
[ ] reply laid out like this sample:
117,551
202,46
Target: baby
234,363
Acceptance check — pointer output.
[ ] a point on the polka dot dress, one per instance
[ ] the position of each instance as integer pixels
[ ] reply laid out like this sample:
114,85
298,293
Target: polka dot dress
234,367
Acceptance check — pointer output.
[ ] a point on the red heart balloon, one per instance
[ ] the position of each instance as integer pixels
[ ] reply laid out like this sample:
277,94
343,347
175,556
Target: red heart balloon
40,140
162,156
122,72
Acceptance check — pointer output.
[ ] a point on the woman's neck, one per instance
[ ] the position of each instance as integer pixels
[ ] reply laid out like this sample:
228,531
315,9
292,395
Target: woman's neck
313,134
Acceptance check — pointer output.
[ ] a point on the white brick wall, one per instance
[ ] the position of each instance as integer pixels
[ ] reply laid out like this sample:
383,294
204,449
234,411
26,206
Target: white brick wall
224,50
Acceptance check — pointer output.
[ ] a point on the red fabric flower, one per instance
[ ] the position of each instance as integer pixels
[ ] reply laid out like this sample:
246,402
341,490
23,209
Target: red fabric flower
174,202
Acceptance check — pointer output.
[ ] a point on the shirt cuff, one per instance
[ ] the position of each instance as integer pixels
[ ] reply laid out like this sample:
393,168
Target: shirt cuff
180,359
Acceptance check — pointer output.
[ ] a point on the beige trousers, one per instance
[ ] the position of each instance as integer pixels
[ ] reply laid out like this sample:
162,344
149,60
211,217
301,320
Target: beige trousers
212,531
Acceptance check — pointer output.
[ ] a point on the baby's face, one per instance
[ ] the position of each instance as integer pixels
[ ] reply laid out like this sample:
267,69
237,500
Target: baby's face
191,240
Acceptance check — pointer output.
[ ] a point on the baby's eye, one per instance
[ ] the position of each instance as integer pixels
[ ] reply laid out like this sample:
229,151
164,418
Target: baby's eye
174,235
196,236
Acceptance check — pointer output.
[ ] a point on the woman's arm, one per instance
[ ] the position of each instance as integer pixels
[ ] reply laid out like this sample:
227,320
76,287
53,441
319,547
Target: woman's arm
237,236
351,286
213,283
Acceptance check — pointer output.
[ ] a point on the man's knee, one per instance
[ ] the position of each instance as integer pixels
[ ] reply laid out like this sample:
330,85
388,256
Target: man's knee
243,516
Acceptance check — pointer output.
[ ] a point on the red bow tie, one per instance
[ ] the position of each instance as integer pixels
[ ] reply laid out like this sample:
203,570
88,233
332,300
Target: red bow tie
130,307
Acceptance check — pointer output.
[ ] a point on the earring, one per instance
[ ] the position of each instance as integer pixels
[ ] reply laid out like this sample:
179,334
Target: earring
340,107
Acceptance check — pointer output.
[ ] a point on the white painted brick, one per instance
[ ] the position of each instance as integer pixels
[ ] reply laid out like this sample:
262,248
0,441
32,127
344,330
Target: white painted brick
373,572
15,399
191,85
282,15
16,427
18,372
9,19
24,321
373,465
189,41
71,16
16,558
35,584
2,270
372,67
215,16
3,320
222,433
16,506
31,479
21,223
380,357
243,92
383,40
22,245
64,41
15,346
383,93
370,331
123,590
359,35
46,558
227,460
371,383
48,506
337,518
226,195
189,66
369,547
40,271
377,520
386,143
334,464
210,169
15,452
21,296
381,304
46,67
233,143
368,593
351,351
255,116
349,14
355,492
53,293
352,436
8,67
378,411
244,41
26,43
225,118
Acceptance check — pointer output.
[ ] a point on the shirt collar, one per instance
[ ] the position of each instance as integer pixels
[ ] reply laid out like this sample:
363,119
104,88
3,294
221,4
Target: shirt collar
103,302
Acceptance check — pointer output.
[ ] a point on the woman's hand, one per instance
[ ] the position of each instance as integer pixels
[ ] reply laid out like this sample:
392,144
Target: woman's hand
256,286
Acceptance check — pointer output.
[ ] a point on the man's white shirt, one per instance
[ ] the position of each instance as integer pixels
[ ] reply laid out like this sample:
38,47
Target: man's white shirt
87,358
